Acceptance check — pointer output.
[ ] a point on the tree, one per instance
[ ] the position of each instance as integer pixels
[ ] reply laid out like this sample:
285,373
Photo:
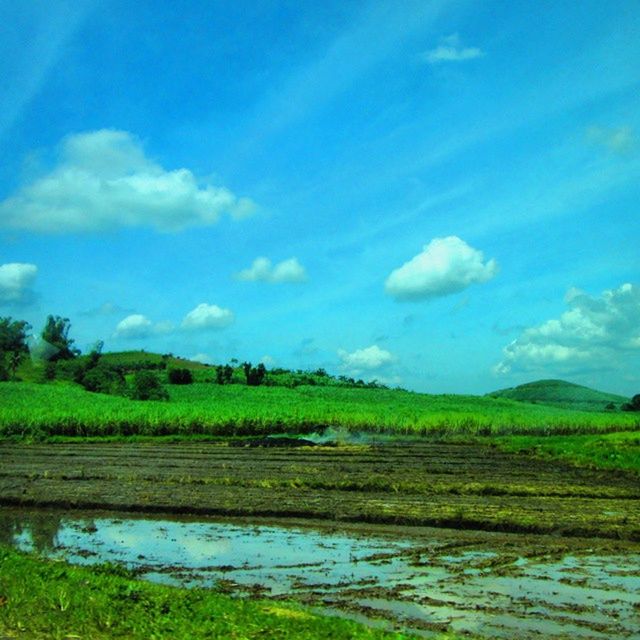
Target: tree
56,333
13,345
180,376
146,386
634,405
224,374
254,375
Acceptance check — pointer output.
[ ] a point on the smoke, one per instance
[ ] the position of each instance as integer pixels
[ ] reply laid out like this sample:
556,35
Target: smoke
40,350
342,436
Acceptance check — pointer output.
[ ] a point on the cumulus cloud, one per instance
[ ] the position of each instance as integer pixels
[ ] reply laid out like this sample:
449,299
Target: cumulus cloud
451,49
134,326
16,279
103,180
262,270
620,140
365,360
445,265
595,333
208,316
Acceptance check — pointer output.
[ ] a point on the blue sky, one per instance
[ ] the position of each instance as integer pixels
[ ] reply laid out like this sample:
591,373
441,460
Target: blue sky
441,195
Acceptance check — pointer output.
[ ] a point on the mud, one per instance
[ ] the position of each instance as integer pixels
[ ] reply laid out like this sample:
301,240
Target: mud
417,483
424,580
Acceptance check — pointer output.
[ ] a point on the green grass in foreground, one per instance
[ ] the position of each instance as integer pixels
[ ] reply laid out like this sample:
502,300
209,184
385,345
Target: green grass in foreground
41,410
50,599
603,451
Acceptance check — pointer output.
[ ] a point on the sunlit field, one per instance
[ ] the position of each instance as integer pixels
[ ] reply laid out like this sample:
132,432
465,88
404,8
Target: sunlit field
38,410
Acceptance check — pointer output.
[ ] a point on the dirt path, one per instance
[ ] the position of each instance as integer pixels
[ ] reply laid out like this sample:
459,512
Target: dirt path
427,484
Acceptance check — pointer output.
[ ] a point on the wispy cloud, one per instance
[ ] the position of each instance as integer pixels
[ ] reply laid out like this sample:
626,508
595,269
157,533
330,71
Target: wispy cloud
619,140
104,180
370,38
105,309
451,49
33,39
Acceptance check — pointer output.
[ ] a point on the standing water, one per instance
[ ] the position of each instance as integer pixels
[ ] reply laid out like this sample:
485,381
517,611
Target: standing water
490,584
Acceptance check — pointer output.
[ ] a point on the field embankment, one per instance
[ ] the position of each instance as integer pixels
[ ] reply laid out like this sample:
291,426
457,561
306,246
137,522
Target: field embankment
413,483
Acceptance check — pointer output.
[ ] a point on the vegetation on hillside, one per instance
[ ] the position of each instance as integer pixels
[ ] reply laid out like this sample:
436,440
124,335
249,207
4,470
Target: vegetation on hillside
566,395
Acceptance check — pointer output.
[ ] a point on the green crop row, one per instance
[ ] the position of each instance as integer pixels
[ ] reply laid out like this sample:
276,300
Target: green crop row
30,409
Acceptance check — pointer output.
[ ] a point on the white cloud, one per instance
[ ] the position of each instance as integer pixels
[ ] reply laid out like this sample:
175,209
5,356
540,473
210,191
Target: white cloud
365,360
595,333
208,316
451,50
104,180
203,358
615,139
134,326
268,361
16,279
262,270
446,265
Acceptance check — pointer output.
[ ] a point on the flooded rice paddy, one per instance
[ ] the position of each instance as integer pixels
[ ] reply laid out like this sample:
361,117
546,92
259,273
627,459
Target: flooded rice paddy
424,580
420,535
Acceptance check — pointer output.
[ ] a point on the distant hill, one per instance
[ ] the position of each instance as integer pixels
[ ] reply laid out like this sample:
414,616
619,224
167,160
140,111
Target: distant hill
559,393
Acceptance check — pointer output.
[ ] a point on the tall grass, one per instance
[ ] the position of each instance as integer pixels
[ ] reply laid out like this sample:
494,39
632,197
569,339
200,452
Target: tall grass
29,409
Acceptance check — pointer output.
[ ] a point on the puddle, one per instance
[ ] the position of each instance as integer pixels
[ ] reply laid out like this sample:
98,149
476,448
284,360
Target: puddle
427,584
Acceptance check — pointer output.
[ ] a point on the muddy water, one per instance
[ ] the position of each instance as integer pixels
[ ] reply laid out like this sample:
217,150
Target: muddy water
426,580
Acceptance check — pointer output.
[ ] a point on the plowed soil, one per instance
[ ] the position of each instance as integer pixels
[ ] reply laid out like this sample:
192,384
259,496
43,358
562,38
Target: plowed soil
405,483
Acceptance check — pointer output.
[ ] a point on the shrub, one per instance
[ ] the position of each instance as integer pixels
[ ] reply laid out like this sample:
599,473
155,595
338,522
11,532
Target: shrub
180,376
147,386
104,379
50,370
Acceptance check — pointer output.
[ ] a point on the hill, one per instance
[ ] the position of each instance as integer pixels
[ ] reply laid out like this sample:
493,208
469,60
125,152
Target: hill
565,395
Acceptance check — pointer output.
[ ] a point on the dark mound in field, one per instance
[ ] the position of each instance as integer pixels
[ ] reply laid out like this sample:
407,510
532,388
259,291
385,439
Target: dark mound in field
274,442
563,394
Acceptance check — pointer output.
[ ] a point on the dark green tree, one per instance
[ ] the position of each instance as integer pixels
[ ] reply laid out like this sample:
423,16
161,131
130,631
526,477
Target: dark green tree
56,333
224,374
180,376
147,386
13,345
254,375
634,405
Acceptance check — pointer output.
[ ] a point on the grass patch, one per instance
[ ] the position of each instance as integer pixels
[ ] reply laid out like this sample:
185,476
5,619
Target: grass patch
48,599
602,451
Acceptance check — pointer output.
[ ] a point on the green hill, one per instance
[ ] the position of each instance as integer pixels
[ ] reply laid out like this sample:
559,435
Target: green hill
559,393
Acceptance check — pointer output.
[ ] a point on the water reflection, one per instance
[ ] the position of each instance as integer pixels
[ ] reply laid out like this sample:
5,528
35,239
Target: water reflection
32,530
480,587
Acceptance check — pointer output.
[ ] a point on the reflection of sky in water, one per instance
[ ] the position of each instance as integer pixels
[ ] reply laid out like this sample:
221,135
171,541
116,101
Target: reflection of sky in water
521,597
